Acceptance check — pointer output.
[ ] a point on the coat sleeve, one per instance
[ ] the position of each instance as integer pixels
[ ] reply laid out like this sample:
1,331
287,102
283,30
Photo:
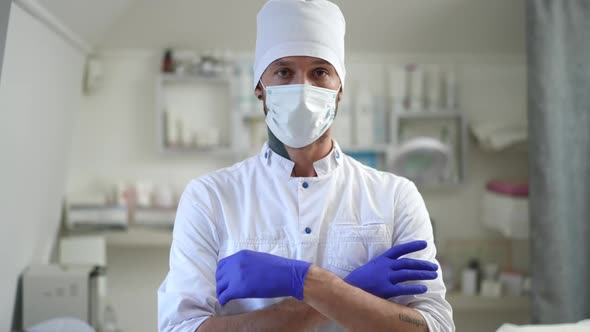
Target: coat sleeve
187,297
412,222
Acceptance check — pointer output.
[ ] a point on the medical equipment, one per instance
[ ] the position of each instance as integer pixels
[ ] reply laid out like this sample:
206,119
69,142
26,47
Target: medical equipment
52,291
423,160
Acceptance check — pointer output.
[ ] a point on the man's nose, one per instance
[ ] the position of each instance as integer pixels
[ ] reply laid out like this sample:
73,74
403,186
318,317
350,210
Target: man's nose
301,78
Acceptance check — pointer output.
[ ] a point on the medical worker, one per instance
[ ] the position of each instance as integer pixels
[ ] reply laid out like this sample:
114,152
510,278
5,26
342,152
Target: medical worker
302,237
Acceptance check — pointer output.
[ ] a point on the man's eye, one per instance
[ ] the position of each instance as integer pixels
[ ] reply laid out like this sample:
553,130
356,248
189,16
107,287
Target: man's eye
283,73
321,72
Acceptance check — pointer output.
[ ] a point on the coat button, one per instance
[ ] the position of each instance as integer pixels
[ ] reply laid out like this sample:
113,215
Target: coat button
307,230
305,185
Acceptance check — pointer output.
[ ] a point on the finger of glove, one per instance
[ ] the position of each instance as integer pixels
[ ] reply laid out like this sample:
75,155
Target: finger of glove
223,298
221,271
221,287
228,294
398,290
406,248
413,264
411,275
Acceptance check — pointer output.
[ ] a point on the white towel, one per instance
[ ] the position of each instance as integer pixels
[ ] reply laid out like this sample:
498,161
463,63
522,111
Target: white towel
498,136
582,326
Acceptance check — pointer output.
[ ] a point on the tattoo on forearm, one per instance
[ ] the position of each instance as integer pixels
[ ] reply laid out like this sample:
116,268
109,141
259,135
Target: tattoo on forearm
411,320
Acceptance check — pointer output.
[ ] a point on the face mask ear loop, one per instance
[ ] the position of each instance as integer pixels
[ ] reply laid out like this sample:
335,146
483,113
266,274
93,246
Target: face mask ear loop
263,87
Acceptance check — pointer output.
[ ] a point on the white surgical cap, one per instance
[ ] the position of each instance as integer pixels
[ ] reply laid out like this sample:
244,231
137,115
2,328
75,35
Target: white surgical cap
299,28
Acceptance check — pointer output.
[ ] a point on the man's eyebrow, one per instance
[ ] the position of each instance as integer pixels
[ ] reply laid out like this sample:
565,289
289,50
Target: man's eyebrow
281,63
320,62
286,63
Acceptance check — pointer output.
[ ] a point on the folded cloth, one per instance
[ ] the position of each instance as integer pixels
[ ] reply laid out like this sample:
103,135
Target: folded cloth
581,326
499,136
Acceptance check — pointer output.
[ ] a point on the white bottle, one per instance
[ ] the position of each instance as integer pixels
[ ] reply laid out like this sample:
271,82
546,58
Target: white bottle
451,89
364,118
417,89
342,126
171,133
179,131
397,82
469,282
188,132
110,320
434,87
246,100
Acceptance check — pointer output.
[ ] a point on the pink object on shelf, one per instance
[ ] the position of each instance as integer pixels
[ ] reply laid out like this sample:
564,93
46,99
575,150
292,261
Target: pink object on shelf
508,188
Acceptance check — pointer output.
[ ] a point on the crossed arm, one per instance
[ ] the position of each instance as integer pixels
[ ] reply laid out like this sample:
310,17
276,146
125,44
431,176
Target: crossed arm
326,297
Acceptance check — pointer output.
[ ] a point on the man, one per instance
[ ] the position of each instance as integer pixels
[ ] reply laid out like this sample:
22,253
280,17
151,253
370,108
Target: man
302,237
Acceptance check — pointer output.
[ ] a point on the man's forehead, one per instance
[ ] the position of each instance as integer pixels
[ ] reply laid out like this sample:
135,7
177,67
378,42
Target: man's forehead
298,60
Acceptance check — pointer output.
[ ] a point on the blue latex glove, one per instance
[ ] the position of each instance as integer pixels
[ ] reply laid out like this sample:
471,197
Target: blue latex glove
382,275
251,274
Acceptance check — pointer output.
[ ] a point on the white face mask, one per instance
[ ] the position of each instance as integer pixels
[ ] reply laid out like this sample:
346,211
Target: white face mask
299,114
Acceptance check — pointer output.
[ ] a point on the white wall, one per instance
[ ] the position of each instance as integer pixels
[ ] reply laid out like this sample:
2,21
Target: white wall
39,91
4,12
442,26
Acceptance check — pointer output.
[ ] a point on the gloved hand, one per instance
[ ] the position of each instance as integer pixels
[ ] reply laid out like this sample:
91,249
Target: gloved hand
382,275
251,274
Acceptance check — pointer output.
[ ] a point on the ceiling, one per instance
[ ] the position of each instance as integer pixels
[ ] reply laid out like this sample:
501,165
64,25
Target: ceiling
404,26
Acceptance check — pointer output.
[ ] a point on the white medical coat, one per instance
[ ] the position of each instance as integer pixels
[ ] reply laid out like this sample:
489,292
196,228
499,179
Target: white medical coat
339,220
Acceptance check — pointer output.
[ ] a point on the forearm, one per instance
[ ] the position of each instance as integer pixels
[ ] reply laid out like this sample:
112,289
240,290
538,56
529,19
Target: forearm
356,309
289,315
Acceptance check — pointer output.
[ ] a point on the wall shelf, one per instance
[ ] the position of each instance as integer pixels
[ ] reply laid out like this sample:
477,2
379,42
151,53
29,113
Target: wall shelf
138,236
220,151
193,113
134,236
171,77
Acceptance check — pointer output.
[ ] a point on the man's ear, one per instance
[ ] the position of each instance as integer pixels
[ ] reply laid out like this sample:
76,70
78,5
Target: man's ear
340,94
258,91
